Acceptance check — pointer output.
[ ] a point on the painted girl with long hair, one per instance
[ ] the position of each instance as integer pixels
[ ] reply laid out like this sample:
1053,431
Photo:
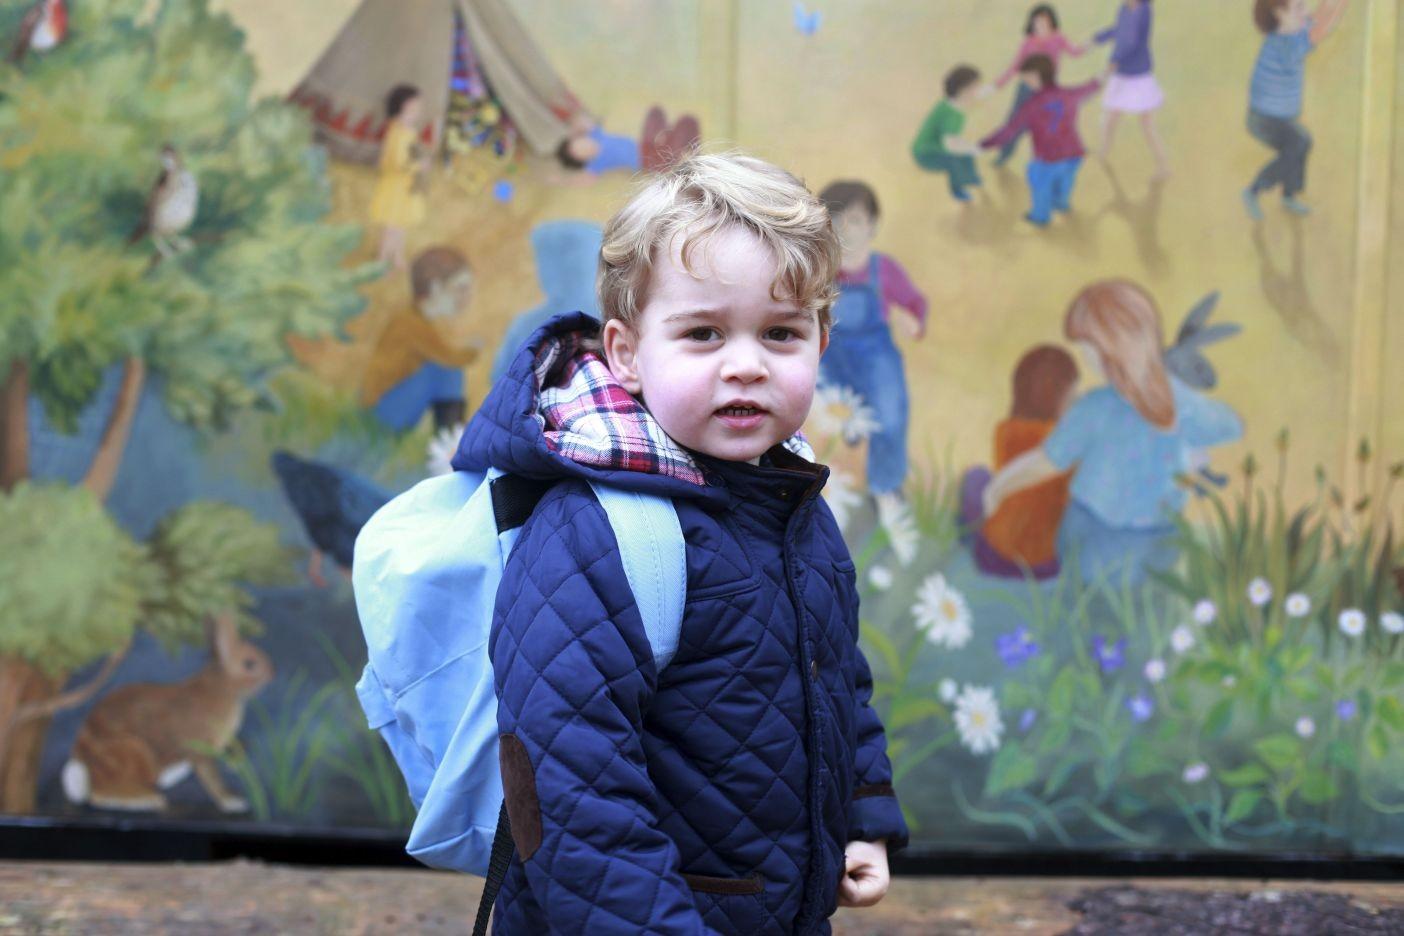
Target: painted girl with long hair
1125,442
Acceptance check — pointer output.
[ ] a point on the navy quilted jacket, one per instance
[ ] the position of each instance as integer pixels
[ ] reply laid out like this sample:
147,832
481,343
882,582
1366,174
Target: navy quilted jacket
718,794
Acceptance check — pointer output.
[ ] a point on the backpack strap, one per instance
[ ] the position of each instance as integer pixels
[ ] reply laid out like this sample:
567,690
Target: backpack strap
654,556
655,562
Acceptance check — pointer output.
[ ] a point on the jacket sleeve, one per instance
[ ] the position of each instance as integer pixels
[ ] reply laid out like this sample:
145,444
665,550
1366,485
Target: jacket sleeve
874,813
574,676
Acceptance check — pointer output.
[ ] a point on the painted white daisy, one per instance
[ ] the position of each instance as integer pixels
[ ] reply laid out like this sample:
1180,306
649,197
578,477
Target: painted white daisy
1155,670
1392,622
1259,592
438,454
1196,772
880,577
1297,605
841,411
1352,622
947,690
842,496
1205,612
1181,639
1306,727
977,719
942,614
897,520
824,416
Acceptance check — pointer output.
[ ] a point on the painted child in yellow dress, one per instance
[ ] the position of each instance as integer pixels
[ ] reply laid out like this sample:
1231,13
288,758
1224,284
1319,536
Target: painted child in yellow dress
398,202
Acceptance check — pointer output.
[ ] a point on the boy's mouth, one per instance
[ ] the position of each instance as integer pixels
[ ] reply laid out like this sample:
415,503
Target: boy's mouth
741,415
740,409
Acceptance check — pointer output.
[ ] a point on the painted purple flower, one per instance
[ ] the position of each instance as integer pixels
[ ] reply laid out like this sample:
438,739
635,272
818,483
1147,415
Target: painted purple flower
1026,720
1346,709
1110,657
1016,648
1141,707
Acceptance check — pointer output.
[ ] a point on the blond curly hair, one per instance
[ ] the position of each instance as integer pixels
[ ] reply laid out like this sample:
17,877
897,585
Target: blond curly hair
702,194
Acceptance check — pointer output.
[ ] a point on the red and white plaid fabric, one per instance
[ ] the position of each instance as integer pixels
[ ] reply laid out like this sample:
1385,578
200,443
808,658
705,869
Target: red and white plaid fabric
588,417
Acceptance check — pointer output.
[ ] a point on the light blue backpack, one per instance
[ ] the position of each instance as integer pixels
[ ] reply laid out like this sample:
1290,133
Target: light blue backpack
425,575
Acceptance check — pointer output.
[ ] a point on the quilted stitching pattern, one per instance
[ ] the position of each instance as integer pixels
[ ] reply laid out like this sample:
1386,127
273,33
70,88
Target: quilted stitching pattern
735,761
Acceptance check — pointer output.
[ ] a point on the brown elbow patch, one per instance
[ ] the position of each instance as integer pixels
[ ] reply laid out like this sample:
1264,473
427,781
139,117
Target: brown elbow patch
875,789
519,791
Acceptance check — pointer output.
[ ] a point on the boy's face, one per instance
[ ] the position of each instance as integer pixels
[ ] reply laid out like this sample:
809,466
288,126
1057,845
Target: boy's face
412,110
855,228
448,297
725,369
583,148
1292,16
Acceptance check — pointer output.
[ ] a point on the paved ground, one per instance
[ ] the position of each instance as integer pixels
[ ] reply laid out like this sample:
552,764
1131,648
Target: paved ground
250,898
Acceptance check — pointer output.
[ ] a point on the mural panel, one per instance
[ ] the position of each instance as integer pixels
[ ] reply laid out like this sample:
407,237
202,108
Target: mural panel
1120,490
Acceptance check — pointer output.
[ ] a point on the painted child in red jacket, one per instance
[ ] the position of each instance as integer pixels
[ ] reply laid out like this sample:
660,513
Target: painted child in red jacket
1050,117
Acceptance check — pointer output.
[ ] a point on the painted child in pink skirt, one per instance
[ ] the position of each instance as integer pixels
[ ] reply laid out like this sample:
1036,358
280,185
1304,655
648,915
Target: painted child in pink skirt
1132,88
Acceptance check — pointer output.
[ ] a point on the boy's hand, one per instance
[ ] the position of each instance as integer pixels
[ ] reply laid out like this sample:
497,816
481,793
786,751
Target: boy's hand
865,877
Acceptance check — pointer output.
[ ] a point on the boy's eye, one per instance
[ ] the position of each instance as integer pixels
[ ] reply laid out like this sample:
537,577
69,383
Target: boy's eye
781,334
703,333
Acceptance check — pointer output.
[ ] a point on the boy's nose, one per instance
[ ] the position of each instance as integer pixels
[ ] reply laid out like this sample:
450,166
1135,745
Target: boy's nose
745,366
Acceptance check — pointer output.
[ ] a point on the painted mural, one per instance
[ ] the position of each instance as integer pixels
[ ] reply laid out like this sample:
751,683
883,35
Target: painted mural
1108,402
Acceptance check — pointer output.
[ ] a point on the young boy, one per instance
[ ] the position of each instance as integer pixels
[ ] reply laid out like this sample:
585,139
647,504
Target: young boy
862,354
1050,116
413,367
1290,34
939,146
744,788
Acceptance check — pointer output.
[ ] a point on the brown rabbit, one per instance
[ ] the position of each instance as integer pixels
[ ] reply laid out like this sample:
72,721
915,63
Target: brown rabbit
138,739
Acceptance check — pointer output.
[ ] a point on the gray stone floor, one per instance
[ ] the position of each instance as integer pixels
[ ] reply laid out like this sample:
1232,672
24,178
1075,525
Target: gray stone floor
249,898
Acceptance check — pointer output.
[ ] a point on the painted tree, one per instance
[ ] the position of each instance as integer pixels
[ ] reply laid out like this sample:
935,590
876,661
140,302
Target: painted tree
82,130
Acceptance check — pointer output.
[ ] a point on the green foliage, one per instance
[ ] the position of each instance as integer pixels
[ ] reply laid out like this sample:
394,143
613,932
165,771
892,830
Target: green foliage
1248,727
279,774
205,553
64,561
81,128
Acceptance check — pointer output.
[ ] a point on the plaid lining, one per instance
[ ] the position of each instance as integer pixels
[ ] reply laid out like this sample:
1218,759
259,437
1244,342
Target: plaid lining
587,416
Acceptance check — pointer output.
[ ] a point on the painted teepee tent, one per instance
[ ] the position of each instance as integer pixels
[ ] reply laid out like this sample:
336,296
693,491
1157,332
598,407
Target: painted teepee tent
474,54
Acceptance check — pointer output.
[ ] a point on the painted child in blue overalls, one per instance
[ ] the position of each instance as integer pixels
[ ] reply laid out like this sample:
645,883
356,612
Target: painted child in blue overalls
862,354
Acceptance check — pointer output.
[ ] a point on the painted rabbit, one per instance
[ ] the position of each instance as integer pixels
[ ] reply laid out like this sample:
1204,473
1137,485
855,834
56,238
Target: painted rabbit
1185,358
1187,361
144,738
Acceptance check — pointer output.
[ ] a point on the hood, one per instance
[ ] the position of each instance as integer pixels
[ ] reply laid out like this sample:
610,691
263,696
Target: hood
558,412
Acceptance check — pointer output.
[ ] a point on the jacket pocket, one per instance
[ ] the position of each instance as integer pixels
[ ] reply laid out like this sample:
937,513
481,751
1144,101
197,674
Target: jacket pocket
729,904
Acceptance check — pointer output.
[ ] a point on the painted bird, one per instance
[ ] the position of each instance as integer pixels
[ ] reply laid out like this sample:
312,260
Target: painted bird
171,206
332,503
43,28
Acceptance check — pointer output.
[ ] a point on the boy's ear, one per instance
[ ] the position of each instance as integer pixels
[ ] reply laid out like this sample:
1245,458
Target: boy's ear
824,339
621,348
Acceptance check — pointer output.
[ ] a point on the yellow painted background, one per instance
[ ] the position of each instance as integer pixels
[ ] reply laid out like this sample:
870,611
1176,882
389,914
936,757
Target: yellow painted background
1323,319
